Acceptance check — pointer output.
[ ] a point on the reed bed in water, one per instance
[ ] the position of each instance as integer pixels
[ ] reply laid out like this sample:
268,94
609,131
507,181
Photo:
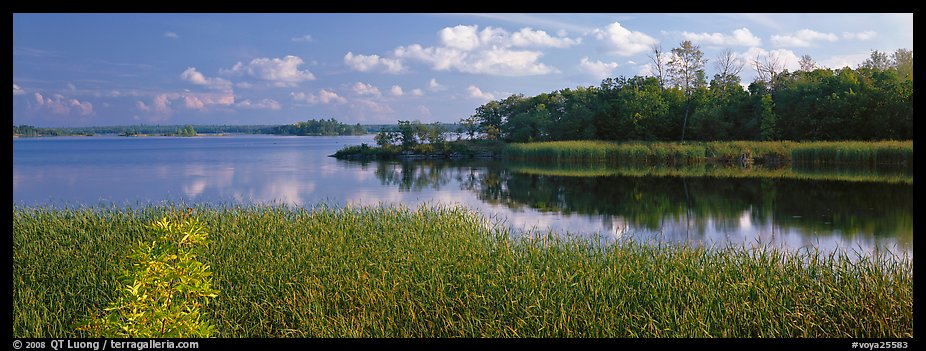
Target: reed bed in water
436,271
762,152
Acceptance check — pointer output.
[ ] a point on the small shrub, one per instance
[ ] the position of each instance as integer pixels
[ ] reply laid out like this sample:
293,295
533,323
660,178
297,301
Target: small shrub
165,291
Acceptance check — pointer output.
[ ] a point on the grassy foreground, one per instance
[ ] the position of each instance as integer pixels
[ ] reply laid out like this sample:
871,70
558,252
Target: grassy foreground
763,152
445,272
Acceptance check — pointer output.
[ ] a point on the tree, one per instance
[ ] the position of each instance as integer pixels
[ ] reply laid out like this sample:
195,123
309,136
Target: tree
878,61
728,67
658,69
770,69
807,63
469,126
686,68
903,63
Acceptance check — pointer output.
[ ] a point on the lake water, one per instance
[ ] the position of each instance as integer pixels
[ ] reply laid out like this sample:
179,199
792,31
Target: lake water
836,209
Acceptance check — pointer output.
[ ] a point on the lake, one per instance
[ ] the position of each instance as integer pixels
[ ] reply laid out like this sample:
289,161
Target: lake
865,210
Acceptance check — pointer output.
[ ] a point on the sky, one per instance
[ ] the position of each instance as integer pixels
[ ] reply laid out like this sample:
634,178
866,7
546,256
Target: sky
75,70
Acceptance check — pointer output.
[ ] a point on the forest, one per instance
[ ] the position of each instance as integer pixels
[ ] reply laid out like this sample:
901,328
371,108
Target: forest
677,103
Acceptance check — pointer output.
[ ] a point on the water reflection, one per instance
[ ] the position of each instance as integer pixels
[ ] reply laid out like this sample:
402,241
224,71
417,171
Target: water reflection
839,207
794,207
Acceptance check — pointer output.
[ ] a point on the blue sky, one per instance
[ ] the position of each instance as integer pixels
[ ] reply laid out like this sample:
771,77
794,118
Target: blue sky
121,69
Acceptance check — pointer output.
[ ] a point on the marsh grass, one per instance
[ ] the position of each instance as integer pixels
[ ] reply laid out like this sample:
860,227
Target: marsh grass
810,172
446,272
673,153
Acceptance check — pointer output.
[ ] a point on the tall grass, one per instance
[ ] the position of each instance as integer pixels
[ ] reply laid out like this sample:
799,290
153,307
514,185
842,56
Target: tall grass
446,272
813,172
764,152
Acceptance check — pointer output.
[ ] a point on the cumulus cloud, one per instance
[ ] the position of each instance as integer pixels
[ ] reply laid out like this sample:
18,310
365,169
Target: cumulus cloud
171,35
493,61
162,105
529,37
60,105
193,76
361,88
369,63
417,92
866,35
802,38
623,41
475,92
785,57
281,72
468,38
17,90
739,37
598,69
324,96
141,106
396,90
193,103
302,39
489,50
268,104
433,85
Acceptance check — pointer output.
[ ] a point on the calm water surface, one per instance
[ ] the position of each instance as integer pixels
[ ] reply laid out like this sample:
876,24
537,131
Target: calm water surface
822,209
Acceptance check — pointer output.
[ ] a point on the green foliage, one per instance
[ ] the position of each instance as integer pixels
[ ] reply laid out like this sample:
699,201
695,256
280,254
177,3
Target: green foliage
447,272
872,102
318,127
765,152
165,291
186,131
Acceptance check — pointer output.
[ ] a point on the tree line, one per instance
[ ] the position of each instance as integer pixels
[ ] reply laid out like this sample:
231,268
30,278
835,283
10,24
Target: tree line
676,102
317,127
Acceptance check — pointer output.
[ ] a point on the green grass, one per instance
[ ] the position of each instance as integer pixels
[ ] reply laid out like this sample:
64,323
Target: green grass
849,174
762,152
446,272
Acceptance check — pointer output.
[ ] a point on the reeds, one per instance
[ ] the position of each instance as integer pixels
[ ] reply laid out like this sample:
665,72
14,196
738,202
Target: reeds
761,152
446,272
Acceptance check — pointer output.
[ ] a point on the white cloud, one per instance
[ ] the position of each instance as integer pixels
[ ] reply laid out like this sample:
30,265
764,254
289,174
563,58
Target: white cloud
598,69
739,37
141,106
475,92
623,41
193,76
468,38
841,61
324,96
194,103
802,38
269,104
785,57
417,92
281,72
17,90
162,105
396,90
72,87
368,63
433,85
494,61
365,89
302,39
460,37
171,35
866,35
529,37
488,51
58,104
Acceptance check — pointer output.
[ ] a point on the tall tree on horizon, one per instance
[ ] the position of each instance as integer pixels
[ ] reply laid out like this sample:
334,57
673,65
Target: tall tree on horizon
686,69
